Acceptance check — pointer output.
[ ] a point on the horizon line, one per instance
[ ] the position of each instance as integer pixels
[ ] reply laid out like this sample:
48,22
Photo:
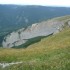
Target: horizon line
36,5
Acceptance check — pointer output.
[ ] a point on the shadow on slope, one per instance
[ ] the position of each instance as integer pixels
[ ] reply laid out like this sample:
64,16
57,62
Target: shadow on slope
31,41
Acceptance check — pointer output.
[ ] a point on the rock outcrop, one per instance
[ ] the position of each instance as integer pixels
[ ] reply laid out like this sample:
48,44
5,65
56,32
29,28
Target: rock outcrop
19,37
44,28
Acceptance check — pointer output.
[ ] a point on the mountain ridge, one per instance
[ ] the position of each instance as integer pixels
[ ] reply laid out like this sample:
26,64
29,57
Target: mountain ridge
44,28
21,15
14,17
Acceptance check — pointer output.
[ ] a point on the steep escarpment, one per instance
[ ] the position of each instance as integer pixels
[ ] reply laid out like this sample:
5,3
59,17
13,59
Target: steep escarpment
14,17
44,28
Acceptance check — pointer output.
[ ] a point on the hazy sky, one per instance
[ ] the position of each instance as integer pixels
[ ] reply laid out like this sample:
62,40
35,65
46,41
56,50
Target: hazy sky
38,2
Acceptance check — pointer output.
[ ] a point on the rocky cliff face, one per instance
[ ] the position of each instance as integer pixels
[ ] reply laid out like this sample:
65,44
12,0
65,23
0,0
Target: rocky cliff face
21,36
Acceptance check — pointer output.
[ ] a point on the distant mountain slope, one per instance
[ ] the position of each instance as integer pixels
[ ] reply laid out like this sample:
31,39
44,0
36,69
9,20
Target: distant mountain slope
35,32
16,16
13,17
51,53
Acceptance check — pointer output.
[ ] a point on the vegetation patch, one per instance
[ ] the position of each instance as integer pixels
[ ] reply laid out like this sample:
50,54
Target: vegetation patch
51,53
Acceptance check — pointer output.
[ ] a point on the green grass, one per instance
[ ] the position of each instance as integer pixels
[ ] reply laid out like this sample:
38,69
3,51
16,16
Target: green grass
51,53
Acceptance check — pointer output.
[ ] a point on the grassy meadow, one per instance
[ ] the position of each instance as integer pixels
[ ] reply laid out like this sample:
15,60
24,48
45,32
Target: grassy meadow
51,53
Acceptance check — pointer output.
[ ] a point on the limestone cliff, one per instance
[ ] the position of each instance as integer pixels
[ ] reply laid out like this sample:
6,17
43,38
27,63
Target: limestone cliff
44,28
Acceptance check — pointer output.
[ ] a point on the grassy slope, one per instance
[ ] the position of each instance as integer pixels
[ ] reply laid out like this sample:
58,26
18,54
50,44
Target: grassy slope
52,53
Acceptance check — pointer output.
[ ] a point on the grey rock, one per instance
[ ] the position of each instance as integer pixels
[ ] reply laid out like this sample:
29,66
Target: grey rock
21,36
